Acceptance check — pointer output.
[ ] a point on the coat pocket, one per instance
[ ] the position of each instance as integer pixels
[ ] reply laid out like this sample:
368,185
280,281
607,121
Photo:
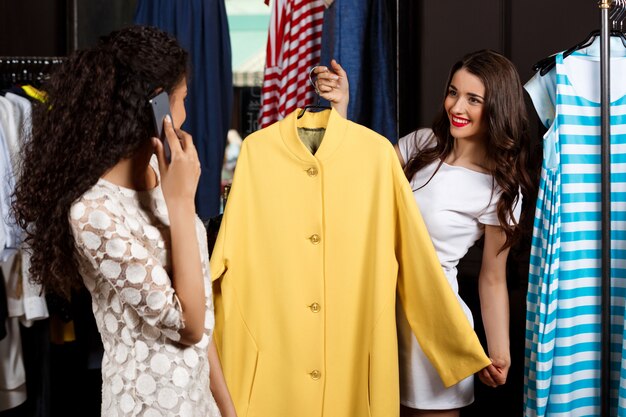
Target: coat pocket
369,385
239,355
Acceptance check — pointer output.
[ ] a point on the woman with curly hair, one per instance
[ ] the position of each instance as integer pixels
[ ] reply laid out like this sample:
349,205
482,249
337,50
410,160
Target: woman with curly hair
99,209
468,178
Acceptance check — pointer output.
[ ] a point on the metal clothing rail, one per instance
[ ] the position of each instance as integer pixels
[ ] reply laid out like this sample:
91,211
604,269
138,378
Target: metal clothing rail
26,69
605,131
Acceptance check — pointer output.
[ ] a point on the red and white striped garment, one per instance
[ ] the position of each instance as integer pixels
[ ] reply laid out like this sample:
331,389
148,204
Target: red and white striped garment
294,46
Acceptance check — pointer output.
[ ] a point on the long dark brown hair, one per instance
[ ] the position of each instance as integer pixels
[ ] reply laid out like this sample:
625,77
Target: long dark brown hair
507,130
96,114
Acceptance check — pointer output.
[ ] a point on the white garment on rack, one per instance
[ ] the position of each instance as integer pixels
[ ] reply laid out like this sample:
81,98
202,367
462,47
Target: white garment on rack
33,298
10,126
12,373
22,118
13,283
3,232
10,233
25,301
542,90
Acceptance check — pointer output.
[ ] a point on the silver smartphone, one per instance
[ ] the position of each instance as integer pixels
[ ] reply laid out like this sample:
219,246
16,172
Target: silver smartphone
160,105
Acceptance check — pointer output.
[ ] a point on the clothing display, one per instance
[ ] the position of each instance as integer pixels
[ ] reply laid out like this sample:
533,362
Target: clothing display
293,47
9,132
123,241
360,36
563,330
15,120
4,308
12,371
310,254
8,185
25,302
201,28
335,285
455,204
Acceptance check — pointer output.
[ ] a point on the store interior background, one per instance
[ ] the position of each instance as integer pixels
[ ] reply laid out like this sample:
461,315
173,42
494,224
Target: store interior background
431,36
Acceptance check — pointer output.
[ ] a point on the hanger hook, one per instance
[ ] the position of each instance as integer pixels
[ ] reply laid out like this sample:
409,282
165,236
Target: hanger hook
311,79
617,14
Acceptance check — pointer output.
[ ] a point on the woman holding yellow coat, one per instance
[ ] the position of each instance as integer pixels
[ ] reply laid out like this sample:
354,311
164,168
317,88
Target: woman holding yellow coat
467,174
316,241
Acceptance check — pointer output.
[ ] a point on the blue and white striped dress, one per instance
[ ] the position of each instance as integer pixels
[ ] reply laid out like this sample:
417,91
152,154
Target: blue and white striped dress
563,330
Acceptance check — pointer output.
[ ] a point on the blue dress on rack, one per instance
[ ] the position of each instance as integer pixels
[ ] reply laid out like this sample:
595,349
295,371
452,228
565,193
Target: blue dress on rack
563,327
357,34
201,27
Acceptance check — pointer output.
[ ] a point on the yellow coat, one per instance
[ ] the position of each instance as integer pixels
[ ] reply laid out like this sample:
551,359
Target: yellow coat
311,251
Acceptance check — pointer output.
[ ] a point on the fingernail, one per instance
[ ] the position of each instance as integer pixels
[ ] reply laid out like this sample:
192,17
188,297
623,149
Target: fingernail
168,119
335,77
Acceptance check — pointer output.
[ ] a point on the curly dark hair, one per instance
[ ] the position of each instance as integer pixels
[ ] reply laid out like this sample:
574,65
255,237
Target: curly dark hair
96,114
507,135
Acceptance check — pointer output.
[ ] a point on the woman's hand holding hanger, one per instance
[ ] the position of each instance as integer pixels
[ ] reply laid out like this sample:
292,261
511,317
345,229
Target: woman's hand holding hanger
332,85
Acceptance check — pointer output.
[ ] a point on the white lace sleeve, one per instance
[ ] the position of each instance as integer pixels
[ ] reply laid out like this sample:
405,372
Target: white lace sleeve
124,258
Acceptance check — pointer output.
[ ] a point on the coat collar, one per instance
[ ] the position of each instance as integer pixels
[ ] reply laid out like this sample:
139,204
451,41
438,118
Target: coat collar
334,124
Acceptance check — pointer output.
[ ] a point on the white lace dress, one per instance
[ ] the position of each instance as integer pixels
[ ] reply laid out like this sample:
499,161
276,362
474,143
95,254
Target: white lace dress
123,240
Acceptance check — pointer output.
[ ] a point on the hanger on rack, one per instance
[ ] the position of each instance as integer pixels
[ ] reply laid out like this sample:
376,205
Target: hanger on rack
618,13
317,105
26,70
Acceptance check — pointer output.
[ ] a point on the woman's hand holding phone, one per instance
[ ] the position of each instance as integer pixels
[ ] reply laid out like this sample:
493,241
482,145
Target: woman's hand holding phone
179,178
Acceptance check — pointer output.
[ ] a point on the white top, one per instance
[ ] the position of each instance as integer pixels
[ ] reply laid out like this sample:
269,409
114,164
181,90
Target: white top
123,239
455,206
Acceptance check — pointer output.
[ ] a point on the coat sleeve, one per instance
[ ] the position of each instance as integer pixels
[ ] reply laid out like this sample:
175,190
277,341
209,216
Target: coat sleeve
218,259
433,311
221,253
225,244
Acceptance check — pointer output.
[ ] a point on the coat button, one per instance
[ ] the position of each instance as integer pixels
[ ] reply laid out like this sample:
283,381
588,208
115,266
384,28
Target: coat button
315,374
315,239
315,307
312,171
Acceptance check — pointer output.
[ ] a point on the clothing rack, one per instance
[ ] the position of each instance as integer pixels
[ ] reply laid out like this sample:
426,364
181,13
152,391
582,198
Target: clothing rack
26,69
